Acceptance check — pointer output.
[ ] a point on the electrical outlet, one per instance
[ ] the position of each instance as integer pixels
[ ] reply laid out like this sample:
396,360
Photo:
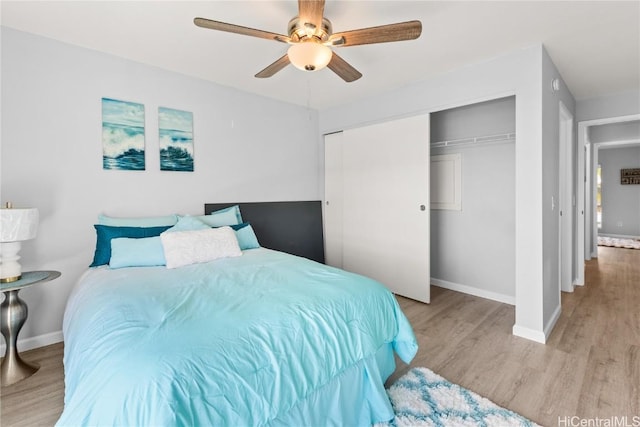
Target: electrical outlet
619,223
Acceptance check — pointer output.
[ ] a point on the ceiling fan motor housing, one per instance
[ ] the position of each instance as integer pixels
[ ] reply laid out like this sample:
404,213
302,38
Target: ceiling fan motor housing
300,31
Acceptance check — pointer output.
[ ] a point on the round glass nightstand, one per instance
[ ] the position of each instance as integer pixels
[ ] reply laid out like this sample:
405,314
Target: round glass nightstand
13,314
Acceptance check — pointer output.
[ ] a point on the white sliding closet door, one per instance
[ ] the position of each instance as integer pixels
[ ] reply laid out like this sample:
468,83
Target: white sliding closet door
385,204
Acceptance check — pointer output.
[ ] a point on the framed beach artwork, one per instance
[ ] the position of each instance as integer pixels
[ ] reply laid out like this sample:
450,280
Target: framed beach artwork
122,135
176,139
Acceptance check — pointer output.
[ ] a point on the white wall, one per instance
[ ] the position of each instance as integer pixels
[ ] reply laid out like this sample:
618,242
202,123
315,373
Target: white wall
551,184
615,132
247,148
521,74
615,105
620,203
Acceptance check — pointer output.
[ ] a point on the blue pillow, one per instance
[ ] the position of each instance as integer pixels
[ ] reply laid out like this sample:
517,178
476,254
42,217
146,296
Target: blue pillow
246,236
143,252
222,217
189,223
105,233
150,221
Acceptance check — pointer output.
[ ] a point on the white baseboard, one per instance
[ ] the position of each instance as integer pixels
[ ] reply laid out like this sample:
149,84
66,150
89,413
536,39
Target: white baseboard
474,291
35,342
552,322
538,336
530,334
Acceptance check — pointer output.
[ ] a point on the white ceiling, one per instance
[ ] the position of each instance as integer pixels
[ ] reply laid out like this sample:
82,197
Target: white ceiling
594,44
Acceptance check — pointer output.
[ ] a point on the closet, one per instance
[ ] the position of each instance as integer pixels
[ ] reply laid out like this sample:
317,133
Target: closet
376,207
428,199
473,207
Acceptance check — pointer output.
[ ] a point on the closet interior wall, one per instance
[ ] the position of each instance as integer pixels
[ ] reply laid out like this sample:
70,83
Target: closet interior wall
473,249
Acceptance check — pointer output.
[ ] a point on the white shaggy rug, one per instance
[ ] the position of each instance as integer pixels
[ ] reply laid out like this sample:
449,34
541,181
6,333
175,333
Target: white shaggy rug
618,243
423,398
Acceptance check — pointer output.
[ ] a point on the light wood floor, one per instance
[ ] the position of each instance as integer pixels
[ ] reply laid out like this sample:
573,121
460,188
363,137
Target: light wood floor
589,368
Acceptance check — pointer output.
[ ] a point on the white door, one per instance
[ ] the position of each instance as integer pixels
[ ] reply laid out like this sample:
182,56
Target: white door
385,211
566,200
579,255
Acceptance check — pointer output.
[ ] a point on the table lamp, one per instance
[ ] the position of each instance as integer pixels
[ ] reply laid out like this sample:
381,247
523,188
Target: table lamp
16,225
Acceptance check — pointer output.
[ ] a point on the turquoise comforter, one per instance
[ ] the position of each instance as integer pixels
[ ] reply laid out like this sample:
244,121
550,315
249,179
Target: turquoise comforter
262,339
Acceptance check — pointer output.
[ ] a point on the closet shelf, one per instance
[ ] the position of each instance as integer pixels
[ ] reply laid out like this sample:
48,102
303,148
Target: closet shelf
504,137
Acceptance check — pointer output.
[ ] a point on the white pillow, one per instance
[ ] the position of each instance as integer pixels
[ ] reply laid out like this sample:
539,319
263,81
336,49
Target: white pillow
190,247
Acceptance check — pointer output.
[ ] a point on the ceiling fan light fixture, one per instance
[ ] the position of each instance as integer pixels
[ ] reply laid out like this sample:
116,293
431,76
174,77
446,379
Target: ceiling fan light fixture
311,37
309,55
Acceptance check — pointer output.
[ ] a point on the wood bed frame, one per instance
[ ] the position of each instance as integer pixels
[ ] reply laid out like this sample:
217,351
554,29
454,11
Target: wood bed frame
292,227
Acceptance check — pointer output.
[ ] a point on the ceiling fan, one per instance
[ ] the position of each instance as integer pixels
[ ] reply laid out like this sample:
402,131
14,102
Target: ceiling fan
311,37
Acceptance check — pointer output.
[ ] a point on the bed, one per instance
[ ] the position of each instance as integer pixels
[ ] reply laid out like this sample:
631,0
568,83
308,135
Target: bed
260,338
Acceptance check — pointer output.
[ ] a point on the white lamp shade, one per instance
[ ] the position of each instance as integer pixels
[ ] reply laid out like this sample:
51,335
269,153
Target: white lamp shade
309,55
18,224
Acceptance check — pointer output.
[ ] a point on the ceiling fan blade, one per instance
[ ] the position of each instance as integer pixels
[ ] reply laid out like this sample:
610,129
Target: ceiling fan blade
274,68
385,33
311,11
237,29
343,69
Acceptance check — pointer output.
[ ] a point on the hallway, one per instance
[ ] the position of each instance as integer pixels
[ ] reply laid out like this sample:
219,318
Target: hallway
589,368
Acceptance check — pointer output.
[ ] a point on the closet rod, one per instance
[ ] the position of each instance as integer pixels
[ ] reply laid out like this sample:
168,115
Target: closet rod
503,137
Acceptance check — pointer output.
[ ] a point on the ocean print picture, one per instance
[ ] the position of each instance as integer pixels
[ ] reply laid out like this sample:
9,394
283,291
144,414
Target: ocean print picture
122,135
176,140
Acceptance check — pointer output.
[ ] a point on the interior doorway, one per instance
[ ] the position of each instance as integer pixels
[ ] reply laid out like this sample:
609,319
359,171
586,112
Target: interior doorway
587,162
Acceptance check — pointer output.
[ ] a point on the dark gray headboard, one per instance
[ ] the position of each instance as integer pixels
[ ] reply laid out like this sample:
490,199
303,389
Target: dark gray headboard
292,227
